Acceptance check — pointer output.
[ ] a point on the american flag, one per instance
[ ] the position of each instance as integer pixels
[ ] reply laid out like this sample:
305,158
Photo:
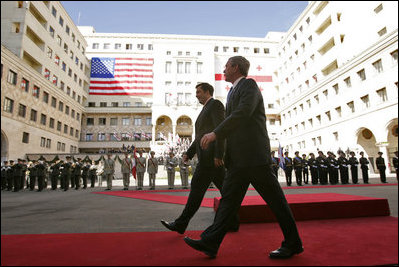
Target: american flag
121,76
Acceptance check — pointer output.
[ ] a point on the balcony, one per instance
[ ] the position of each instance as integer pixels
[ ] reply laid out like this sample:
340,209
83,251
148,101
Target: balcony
113,144
114,110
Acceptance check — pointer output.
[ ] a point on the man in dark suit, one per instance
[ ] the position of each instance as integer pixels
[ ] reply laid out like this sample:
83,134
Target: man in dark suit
364,165
380,162
210,161
248,160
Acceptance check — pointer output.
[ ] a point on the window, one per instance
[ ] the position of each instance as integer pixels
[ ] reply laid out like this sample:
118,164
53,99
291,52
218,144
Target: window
328,115
42,142
48,143
382,93
96,46
216,49
118,46
168,67
199,67
59,124
125,121
45,97
339,112
53,102
335,136
43,119
114,104
351,106
318,117
51,123
55,80
61,106
378,66
22,110
148,121
12,77
25,85
378,9
179,67
33,115
67,110
348,82
74,95
316,97
63,66
187,67
101,137
59,40
394,56
91,104
102,121
71,131
114,121
73,37
140,46
61,21
107,46
382,31
25,137
65,129
47,74
137,121
52,32
89,121
150,47
266,50
77,116
366,101
62,146
67,30
54,12
362,74
89,137
129,46
126,104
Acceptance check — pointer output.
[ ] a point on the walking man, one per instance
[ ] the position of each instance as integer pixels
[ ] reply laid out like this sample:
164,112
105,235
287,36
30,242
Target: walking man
248,161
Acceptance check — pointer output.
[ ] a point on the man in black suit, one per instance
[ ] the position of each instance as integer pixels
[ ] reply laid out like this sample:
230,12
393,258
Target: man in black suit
210,161
247,160
380,162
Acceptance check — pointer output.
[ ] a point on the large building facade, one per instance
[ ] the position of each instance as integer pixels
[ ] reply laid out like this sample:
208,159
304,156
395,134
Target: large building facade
328,83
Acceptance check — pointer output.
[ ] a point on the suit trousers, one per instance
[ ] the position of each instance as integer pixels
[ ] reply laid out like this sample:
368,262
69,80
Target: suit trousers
126,179
200,182
235,186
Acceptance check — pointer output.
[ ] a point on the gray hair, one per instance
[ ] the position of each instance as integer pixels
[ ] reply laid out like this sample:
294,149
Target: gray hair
242,63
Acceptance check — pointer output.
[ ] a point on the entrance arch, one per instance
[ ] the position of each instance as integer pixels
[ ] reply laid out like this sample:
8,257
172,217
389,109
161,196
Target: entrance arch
163,128
367,141
4,147
184,127
392,138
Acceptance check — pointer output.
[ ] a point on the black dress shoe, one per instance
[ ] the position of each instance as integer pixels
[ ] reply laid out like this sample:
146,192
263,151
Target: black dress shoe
201,246
172,226
285,252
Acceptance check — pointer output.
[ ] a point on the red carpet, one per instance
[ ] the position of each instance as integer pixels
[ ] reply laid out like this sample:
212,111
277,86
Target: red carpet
343,242
314,207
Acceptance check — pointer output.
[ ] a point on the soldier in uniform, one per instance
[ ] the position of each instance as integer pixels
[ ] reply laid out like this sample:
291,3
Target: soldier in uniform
305,169
152,169
24,170
66,170
323,168
380,162
332,164
140,169
298,168
54,174
77,173
109,170
364,165
17,175
4,167
93,173
41,173
170,164
343,168
10,176
32,175
275,162
288,168
395,163
126,169
314,169
354,163
184,171
85,173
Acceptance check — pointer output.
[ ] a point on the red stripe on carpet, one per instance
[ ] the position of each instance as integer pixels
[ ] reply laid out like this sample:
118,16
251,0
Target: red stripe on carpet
344,242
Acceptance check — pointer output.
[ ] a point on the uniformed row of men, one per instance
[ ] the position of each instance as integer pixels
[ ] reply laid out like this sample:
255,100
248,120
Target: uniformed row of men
327,169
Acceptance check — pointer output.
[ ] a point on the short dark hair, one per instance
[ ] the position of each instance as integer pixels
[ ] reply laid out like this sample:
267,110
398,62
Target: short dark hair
242,63
206,87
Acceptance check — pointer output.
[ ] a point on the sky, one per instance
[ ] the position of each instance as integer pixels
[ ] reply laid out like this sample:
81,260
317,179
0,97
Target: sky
217,18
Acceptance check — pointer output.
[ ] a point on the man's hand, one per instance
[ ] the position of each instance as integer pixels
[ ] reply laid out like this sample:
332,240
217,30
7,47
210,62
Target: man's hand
219,162
207,139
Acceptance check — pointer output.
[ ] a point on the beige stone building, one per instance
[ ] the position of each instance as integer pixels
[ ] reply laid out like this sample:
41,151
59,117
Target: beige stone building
44,79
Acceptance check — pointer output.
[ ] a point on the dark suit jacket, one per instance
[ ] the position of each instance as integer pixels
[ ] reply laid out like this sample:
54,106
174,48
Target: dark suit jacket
247,141
211,116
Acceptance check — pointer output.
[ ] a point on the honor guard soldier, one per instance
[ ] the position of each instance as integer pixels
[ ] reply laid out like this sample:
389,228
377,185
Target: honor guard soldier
55,174
32,174
380,162
152,169
77,172
41,173
275,162
314,169
323,168
170,164
10,176
343,168
109,170
298,168
93,173
66,171
24,181
288,168
354,163
17,175
140,169
126,169
332,168
183,165
4,167
395,163
364,165
85,173
305,169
